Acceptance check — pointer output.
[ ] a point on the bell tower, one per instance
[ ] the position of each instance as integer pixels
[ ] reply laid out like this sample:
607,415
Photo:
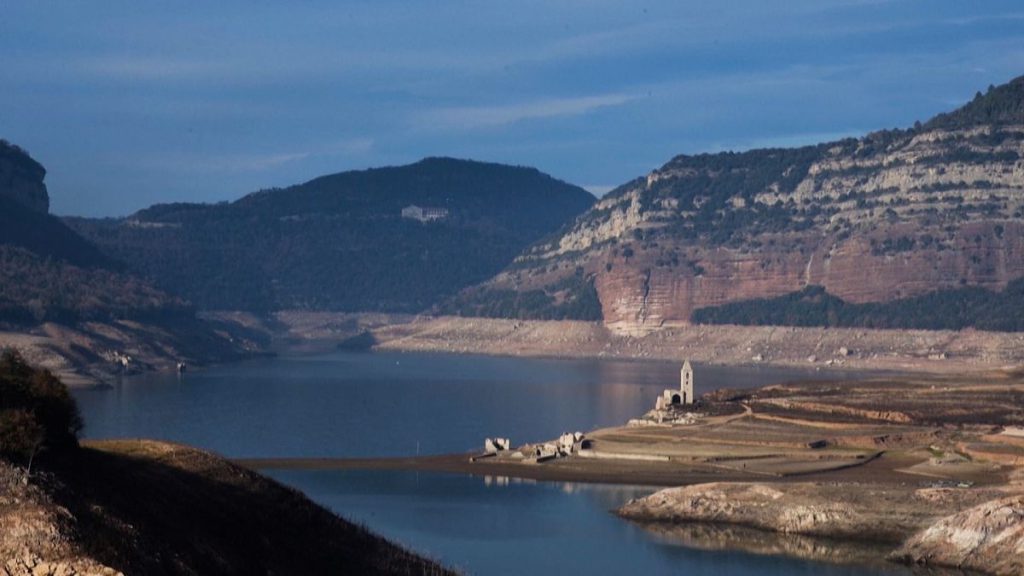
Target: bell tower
686,382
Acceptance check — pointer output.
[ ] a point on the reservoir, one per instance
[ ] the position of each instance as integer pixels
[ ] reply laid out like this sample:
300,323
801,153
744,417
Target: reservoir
400,404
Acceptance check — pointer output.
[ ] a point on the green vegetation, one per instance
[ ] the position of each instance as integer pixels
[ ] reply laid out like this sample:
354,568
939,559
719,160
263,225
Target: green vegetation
339,242
34,289
1002,104
46,236
20,158
955,309
715,198
48,273
36,411
573,298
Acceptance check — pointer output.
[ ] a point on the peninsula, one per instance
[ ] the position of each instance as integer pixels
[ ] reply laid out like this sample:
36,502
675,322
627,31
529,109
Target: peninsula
928,469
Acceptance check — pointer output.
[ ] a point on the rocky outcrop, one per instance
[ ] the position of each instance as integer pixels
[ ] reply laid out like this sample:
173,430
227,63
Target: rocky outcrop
985,532
987,538
36,536
807,509
21,178
892,215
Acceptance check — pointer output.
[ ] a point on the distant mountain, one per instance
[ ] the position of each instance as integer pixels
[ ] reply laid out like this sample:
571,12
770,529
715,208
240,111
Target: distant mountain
341,242
926,220
84,311
50,273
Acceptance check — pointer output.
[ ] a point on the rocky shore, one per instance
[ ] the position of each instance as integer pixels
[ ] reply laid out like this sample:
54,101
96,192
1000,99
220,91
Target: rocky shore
985,535
985,538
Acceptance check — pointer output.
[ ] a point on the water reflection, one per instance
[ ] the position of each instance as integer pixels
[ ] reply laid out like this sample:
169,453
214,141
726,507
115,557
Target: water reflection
703,536
390,404
400,404
501,525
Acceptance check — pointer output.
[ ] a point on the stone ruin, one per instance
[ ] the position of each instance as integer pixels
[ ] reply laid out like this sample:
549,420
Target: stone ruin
667,407
566,445
495,445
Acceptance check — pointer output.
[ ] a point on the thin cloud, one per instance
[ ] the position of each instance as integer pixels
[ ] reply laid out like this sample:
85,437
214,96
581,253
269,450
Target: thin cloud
220,163
468,117
243,162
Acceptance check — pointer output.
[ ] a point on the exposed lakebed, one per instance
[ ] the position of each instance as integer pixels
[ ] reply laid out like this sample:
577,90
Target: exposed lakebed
395,404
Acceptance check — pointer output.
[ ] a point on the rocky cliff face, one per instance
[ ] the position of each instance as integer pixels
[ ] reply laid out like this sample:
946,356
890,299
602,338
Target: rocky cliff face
21,178
891,215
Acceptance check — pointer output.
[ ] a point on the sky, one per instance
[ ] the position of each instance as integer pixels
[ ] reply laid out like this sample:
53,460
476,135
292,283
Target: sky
132,103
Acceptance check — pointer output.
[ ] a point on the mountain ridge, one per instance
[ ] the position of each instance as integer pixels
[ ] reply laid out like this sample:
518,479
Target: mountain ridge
70,306
340,241
891,215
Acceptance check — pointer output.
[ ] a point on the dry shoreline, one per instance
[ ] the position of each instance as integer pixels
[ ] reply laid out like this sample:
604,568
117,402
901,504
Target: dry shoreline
815,348
929,467
82,358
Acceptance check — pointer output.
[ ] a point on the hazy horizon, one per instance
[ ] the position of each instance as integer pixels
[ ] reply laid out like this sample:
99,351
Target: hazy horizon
129,105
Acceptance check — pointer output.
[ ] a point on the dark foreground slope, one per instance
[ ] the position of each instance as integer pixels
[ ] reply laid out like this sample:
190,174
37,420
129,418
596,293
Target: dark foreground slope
147,507
340,242
143,507
888,217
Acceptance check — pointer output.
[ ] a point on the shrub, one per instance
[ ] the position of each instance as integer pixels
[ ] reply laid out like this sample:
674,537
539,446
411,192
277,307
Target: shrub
36,410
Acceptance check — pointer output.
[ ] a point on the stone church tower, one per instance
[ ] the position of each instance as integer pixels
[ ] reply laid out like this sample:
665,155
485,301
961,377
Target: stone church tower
686,383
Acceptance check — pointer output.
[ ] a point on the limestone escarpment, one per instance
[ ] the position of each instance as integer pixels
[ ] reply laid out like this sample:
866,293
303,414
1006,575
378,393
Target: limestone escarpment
891,215
21,178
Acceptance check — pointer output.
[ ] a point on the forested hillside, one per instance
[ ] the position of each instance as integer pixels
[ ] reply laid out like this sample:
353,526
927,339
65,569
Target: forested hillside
340,242
50,273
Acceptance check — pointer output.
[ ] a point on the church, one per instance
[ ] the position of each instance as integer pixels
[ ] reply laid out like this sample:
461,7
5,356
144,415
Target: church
684,395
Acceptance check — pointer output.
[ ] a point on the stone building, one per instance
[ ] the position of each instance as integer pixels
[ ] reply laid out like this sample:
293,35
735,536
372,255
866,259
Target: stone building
686,382
424,214
684,395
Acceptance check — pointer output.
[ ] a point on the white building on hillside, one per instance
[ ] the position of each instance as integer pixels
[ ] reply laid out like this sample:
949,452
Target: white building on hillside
424,214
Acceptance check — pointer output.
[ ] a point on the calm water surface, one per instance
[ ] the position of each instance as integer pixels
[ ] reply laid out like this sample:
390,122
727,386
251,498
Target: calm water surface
394,404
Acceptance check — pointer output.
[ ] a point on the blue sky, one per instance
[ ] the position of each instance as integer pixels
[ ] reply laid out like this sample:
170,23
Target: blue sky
132,103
